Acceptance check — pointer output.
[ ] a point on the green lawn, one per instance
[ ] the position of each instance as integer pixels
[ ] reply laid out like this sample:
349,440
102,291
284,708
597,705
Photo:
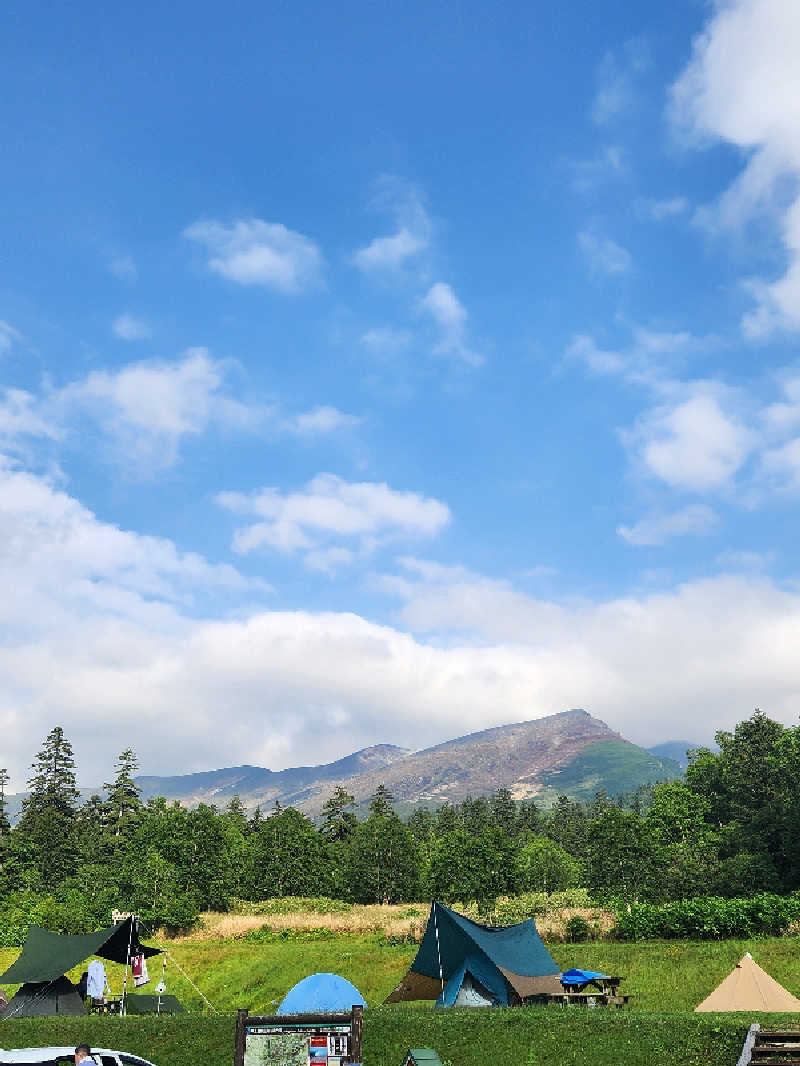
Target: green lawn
666,979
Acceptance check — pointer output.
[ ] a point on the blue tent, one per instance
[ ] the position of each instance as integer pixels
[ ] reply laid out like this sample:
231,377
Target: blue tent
321,993
463,962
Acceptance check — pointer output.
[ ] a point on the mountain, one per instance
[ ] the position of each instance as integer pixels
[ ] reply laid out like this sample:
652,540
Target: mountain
571,753
676,750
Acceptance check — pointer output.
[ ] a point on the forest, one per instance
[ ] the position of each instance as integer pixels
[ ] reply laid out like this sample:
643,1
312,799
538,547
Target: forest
729,829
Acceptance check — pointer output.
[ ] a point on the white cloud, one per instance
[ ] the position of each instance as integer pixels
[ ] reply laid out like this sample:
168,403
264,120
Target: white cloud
696,519
386,340
254,252
697,442
388,253
741,86
442,304
604,256
323,419
8,336
129,328
658,210
744,560
616,81
148,408
20,417
366,514
97,638
650,359
413,234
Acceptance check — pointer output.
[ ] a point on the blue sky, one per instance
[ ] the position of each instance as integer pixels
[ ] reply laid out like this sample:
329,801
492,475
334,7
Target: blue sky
384,373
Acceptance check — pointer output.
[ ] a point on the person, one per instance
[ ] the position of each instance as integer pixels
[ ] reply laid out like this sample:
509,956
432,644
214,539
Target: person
83,1052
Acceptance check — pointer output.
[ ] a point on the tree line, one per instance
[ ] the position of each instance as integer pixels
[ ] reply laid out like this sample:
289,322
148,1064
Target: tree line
730,828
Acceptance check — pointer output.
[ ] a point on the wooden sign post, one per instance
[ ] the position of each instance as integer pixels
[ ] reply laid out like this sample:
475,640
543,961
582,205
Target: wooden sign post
312,1039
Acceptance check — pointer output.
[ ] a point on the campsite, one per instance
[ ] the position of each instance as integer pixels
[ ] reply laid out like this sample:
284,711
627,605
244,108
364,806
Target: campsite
666,980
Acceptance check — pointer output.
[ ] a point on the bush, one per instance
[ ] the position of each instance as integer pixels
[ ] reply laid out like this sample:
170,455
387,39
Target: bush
576,928
709,918
291,905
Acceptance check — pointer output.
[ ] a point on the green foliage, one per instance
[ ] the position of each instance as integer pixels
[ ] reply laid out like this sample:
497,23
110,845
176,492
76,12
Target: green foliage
292,905
381,861
48,813
266,935
577,929
542,865
709,918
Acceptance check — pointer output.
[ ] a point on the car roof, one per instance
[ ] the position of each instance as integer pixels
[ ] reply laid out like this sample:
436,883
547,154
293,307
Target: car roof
42,1054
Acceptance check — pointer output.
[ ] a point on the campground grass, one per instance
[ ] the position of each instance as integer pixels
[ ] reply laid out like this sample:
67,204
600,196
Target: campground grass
514,1037
661,975
665,979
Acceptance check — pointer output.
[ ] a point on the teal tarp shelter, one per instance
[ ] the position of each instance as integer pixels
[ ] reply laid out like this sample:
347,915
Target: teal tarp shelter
461,962
46,956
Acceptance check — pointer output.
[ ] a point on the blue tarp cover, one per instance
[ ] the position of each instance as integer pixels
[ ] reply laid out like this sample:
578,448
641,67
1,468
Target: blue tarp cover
580,977
321,993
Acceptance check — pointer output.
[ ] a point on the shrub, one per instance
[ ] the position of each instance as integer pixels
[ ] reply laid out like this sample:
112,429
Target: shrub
709,918
576,928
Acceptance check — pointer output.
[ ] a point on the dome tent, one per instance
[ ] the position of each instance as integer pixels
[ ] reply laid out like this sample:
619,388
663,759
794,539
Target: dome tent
321,993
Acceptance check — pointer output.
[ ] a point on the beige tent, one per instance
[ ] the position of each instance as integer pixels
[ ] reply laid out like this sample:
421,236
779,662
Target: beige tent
748,987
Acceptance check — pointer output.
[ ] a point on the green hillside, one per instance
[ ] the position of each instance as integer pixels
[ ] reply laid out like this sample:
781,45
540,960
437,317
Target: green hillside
614,765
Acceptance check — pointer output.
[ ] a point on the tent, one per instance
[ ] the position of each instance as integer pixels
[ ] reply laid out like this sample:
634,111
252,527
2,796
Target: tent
46,956
748,987
321,993
152,1003
44,997
464,963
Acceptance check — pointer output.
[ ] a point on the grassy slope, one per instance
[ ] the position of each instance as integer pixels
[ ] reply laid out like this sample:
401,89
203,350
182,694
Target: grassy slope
522,1037
661,976
610,764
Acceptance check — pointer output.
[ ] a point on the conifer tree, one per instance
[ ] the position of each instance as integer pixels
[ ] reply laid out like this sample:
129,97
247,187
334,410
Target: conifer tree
124,803
381,802
338,821
5,824
48,813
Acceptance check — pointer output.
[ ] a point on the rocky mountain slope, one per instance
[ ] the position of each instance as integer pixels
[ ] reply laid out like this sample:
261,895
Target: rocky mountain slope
571,752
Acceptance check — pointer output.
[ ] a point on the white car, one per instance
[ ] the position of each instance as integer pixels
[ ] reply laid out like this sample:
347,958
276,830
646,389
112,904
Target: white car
65,1056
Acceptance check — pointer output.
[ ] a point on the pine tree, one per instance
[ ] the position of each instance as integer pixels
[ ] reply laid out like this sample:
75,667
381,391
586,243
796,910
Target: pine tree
338,822
5,824
124,804
381,802
48,813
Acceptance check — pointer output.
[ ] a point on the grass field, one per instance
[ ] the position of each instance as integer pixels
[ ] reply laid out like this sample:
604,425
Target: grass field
514,1037
666,979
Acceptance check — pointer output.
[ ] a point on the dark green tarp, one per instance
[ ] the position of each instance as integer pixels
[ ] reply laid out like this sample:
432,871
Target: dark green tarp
46,998
149,1004
515,954
46,956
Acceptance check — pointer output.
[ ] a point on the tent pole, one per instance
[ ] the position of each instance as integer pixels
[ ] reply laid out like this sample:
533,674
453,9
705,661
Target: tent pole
163,975
127,963
438,952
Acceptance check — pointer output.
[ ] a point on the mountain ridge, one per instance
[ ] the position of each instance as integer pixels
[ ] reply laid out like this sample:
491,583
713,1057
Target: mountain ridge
529,758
